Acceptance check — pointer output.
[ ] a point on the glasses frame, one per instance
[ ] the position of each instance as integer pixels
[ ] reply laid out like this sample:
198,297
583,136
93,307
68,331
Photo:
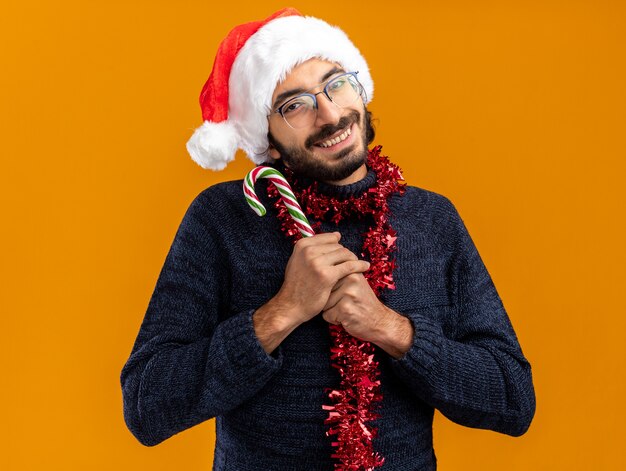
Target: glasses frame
279,110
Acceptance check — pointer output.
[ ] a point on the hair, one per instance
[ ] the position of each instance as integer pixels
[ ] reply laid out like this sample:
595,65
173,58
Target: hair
369,127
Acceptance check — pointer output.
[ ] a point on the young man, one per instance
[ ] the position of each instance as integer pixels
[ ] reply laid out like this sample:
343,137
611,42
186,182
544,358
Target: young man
239,324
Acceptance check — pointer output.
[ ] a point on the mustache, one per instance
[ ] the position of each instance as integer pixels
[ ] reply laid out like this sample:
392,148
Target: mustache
329,129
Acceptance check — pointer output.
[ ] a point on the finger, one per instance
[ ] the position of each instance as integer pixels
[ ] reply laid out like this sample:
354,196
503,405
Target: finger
351,278
313,252
330,317
349,267
339,284
317,246
337,256
333,299
339,291
317,239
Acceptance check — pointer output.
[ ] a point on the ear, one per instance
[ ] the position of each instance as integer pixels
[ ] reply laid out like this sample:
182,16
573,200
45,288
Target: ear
273,153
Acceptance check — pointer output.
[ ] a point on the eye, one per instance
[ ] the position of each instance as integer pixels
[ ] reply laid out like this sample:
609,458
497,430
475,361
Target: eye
337,83
291,107
296,105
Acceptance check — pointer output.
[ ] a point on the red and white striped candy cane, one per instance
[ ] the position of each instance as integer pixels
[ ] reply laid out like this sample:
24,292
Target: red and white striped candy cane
286,194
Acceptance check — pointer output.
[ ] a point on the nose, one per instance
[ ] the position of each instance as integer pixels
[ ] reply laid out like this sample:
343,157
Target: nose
327,111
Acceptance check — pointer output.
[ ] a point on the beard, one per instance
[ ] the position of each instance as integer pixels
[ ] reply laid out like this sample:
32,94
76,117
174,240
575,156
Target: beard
303,162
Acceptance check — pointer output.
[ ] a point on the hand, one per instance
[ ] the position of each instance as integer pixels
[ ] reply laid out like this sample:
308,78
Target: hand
353,304
315,266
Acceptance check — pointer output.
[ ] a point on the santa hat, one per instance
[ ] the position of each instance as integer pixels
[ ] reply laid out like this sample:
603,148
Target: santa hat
250,62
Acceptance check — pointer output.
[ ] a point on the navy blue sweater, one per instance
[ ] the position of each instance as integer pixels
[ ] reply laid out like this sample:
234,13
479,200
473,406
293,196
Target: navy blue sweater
196,355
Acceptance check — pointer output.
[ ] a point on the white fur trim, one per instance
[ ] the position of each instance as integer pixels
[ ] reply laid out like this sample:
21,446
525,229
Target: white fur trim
213,145
265,61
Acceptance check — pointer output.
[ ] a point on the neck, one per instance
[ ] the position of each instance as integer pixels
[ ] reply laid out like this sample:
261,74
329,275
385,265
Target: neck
358,175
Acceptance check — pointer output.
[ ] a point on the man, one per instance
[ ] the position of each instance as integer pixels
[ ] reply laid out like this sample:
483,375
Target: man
238,326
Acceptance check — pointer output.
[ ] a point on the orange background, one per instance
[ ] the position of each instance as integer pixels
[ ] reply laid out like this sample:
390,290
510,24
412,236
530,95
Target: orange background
514,110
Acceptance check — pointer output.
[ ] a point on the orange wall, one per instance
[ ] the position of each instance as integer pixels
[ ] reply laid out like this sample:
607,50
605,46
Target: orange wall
514,110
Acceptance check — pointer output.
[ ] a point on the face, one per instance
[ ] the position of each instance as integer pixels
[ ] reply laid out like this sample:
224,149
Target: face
303,149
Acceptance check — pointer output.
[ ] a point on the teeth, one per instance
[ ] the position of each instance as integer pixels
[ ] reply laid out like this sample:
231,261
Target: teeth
336,140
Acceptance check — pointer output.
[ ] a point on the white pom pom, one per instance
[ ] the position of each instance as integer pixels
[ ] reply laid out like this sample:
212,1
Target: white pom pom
213,145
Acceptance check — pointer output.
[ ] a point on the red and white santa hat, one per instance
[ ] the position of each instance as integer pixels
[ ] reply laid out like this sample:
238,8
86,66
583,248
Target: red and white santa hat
250,62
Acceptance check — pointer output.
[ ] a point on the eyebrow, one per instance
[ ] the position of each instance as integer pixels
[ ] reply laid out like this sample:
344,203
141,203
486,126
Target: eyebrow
293,91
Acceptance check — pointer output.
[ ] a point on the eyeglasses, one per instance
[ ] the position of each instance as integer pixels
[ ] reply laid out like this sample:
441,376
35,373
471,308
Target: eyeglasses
301,111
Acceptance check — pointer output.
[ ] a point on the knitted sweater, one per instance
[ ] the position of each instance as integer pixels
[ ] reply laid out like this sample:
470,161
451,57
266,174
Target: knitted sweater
196,355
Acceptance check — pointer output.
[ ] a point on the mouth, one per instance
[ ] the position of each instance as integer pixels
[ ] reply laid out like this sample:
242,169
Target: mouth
337,141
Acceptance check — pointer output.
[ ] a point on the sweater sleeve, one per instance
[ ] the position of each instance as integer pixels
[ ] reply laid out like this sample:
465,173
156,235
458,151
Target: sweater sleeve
479,377
186,365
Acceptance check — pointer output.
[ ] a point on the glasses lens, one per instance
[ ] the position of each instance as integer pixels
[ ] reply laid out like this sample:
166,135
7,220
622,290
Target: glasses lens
344,90
299,112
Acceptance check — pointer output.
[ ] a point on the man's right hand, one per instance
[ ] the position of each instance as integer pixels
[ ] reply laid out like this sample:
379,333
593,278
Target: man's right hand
313,269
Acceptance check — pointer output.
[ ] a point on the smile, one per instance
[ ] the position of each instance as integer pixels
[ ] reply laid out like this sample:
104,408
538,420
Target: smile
338,141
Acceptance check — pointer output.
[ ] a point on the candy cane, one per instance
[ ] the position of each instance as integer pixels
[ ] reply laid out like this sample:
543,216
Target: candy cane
286,194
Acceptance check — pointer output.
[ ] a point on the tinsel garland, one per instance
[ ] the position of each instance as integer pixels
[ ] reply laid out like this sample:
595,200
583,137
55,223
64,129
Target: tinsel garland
359,390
